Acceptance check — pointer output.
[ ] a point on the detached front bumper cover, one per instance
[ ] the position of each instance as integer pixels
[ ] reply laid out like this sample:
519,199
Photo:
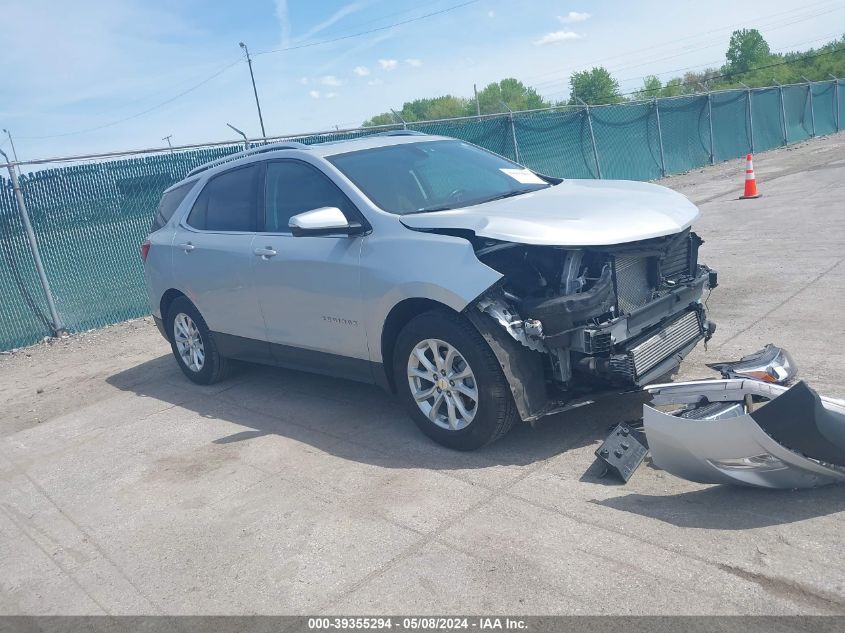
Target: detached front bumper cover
746,432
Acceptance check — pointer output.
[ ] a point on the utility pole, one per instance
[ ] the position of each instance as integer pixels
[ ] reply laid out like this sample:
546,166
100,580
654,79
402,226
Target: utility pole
246,141
477,104
169,144
254,89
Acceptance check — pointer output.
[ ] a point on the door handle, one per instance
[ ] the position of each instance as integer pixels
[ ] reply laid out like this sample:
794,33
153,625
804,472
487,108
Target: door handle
187,247
265,253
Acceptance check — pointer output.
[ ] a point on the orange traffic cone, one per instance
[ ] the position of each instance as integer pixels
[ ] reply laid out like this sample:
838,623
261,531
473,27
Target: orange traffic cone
750,180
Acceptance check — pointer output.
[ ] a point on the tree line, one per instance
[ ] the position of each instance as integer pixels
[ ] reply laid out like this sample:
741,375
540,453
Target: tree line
748,62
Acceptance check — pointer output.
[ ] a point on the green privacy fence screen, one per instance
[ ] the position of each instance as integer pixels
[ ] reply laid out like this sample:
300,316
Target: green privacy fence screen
90,218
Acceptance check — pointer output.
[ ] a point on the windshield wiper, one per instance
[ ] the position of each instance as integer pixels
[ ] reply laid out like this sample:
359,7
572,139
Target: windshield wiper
511,194
449,207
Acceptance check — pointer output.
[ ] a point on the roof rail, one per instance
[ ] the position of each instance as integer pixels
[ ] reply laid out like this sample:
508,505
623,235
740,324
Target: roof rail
270,147
402,133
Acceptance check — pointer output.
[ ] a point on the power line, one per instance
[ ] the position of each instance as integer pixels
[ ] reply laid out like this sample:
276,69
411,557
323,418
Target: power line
724,75
367,32
730,75
143,112
764,24
230,65
717,61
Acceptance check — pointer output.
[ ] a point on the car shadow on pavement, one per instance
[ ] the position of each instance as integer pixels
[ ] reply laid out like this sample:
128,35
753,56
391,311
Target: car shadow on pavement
356,421
732,507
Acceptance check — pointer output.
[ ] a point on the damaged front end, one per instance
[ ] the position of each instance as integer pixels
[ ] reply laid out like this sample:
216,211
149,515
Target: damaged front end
746,432
593,317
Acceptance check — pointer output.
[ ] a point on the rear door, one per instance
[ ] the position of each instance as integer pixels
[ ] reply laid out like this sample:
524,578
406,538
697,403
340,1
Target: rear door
309,287
213,257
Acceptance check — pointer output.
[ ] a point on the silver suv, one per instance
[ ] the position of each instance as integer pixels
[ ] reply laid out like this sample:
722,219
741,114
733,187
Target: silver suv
478,291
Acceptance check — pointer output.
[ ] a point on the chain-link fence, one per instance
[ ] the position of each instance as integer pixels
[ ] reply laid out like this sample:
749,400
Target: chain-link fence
90,217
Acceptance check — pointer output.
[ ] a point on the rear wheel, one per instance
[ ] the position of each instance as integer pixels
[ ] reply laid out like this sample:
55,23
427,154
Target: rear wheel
193,344
451,383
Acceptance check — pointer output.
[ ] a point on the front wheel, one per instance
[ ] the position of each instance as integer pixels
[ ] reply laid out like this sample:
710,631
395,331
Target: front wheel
451,383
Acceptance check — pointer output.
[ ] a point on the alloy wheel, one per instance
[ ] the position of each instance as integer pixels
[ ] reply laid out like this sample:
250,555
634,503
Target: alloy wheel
189,342
442,384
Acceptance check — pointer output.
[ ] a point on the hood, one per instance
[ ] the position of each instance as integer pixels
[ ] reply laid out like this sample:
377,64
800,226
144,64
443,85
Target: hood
572,213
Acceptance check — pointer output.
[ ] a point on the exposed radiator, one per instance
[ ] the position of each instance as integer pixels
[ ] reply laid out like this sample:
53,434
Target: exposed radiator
633,289
681,259
640,279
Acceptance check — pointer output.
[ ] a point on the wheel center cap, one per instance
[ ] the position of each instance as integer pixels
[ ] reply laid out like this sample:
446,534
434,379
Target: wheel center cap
442,384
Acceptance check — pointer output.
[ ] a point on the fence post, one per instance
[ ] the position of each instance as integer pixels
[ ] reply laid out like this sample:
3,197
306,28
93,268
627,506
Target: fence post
750,115
836,99
783,115
399,116
56,321
812,112
710,123
660,138
592,137
513,132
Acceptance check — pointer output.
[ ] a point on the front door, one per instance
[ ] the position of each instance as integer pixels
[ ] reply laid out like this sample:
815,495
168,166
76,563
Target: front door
309,287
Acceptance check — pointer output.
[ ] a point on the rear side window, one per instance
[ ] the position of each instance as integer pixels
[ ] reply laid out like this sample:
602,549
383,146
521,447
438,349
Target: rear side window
292,188
168,205
229,202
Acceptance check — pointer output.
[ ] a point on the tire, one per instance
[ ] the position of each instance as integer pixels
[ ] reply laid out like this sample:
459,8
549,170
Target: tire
494,413
214,367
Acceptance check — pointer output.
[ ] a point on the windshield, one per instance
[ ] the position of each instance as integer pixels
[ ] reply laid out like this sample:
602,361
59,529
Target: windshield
433,176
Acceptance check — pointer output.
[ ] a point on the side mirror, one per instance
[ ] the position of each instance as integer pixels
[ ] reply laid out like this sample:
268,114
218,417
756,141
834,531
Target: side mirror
323,221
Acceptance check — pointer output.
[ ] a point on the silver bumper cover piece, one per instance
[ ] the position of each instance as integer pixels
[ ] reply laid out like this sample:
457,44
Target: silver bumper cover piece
746,432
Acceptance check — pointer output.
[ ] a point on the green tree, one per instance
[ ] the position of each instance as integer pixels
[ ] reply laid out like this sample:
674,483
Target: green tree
511,91
445,107
385,118
652,87
746,49
594,87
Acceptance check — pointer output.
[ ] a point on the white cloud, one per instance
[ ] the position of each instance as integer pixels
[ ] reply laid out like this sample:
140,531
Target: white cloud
491,14
557,36
314,94
572,17
330,80
361,71
331,95
304,81
416,63
388,64
375,82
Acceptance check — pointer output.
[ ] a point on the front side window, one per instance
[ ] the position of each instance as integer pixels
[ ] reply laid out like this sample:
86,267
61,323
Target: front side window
292,188
168,205
434,175
229,202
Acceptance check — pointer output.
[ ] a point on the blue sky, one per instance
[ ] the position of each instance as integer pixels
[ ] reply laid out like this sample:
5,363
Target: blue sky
100,75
